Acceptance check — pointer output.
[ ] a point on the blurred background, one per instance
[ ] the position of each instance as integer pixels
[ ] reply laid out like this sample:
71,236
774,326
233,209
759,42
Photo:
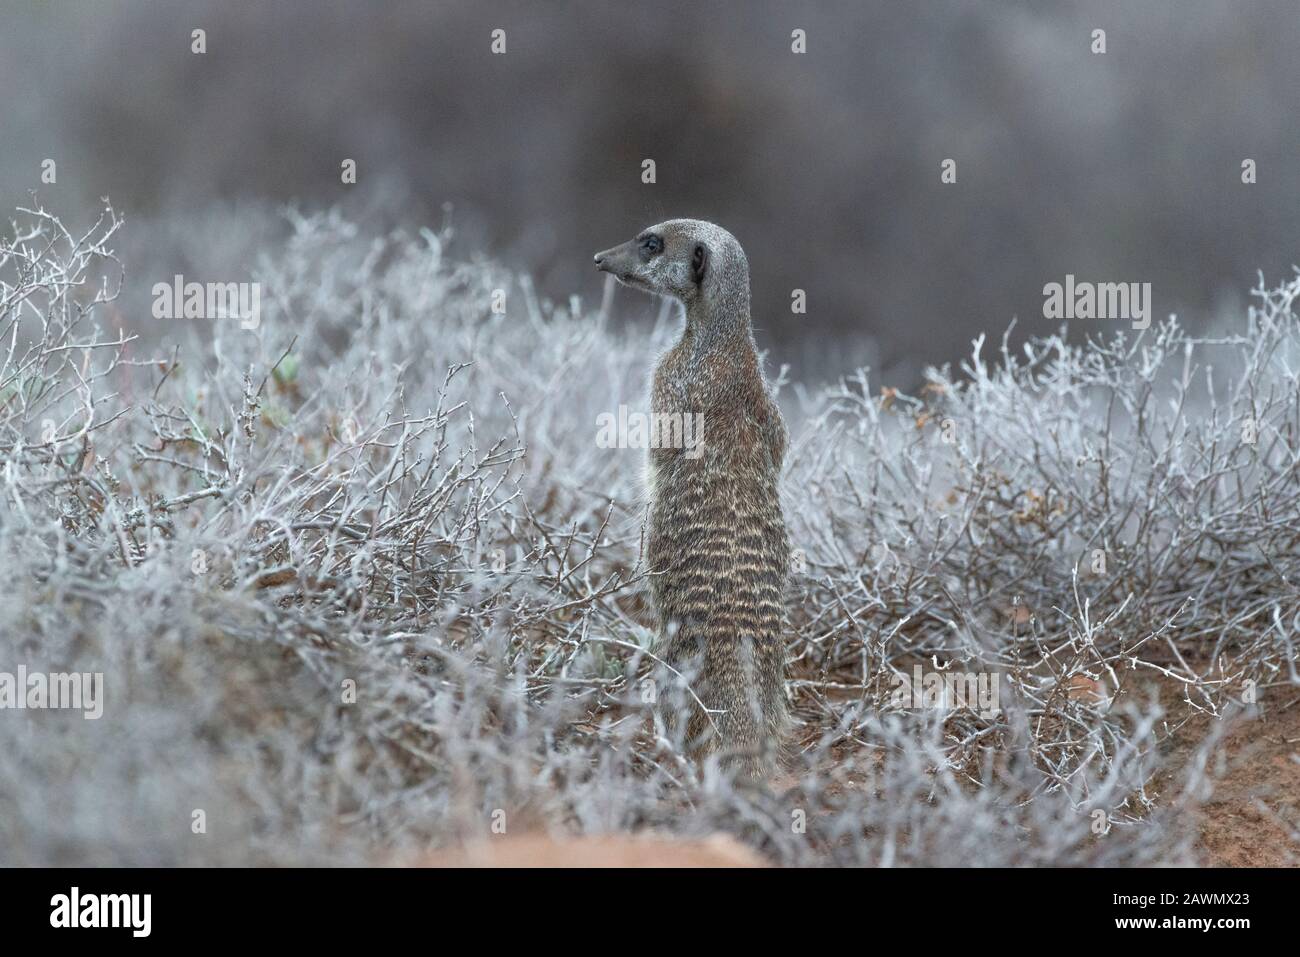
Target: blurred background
1119,167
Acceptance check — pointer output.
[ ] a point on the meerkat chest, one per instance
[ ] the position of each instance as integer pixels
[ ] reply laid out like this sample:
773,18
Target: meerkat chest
676,421
670,391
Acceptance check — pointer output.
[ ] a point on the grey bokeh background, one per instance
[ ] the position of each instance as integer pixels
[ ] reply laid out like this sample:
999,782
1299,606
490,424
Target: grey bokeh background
1116,167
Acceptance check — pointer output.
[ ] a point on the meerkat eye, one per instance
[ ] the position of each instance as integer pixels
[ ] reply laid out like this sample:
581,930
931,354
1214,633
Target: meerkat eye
653,245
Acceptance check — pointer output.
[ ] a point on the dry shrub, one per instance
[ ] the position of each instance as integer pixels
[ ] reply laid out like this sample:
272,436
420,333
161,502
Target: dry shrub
361,581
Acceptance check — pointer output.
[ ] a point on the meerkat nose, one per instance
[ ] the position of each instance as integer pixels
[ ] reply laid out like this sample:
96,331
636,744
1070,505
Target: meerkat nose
597,259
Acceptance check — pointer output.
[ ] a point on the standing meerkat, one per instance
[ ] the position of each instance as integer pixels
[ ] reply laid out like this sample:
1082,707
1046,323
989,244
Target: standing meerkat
717,548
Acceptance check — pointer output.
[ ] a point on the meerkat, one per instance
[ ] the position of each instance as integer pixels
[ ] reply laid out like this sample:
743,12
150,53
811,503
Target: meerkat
717,547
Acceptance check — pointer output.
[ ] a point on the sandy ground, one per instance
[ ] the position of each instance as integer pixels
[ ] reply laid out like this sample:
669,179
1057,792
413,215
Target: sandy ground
1252,820
1253,817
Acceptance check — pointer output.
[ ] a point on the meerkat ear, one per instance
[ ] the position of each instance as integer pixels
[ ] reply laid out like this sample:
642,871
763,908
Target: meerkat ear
699,263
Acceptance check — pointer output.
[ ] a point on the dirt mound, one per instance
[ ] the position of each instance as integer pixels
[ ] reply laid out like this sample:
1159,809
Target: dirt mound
539,850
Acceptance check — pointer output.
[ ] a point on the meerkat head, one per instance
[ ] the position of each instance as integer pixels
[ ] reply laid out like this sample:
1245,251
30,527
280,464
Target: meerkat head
686,259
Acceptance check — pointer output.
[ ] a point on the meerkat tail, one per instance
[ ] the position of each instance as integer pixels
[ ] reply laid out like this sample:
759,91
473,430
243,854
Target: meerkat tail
725,669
